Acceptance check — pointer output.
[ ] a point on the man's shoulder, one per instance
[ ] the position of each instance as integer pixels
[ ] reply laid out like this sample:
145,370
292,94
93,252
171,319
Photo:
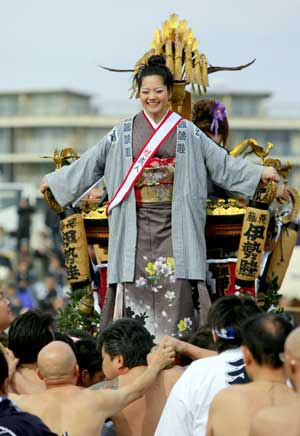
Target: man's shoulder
230,393
106,384
279,412
12,418
175,370
170,376
274,420
23,399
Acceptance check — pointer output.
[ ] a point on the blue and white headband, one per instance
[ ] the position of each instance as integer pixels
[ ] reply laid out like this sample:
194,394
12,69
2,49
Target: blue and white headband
225,333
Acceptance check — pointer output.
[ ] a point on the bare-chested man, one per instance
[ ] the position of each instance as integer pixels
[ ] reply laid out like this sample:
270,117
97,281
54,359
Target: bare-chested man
28,334
125,344
233,408
12,420
277,421
65,407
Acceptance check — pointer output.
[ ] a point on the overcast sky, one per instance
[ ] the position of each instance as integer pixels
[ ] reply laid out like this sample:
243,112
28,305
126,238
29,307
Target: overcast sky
60,43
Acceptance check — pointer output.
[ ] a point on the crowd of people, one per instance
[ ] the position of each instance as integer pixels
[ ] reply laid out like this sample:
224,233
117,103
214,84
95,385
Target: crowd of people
243,382
32,273
140,375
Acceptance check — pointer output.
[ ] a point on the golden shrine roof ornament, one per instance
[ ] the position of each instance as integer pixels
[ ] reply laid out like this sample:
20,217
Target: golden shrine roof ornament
177,43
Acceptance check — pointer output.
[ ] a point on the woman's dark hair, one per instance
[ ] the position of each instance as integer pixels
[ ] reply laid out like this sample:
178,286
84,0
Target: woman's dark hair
156,66
202,116
129,338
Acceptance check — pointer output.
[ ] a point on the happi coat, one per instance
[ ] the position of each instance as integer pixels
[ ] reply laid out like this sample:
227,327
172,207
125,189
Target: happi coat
197,158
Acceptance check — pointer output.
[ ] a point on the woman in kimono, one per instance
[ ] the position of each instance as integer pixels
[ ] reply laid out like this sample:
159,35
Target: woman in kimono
156,255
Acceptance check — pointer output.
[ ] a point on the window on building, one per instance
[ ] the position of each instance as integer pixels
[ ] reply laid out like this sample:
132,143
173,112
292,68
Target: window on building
245,107
280,138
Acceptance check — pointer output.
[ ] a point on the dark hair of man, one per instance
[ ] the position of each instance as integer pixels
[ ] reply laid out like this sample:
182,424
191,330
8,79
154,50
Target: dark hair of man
29,333
264,335
230,311
202,338
59,336
79,334
3,368
202,116
87,355
129,338
156,66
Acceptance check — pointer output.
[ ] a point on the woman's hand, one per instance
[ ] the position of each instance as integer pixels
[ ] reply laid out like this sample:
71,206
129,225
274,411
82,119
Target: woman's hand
269,173
283,194
44,186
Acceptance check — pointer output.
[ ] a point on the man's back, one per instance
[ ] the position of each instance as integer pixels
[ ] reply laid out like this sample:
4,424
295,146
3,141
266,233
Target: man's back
26,380
141,417
233,408
277,421
16,422
66,409
187,407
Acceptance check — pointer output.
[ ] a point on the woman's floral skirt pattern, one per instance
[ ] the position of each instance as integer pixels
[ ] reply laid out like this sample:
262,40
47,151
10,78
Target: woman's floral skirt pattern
162,303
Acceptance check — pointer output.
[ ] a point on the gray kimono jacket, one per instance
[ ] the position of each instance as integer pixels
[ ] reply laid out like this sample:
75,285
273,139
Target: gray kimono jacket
197,157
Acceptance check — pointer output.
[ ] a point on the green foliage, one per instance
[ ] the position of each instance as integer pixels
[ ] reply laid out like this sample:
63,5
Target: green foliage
270,299
70,317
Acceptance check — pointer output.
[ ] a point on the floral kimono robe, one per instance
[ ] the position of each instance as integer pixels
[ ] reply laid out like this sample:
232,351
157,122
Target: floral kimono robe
157,254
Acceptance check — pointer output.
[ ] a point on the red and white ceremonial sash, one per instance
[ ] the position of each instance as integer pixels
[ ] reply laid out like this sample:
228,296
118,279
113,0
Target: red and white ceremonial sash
163,130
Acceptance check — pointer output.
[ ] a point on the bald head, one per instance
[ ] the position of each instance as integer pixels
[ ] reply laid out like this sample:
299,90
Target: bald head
56,361
292,344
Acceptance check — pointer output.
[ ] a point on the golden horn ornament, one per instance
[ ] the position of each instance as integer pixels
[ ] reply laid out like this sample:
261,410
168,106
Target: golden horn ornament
169,55
51,201
178,61
282,253
188,64
204,71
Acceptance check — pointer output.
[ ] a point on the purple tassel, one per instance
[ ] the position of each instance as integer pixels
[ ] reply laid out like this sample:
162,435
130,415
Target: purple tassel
218,114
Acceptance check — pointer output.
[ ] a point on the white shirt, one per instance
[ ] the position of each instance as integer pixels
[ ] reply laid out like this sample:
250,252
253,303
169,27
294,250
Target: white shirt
186,410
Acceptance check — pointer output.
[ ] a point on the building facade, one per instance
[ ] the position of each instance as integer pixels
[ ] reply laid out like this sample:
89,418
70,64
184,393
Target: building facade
34,123
249,118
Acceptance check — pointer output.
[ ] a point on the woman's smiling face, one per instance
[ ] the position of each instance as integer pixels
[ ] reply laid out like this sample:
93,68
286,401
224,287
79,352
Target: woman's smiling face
154,97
